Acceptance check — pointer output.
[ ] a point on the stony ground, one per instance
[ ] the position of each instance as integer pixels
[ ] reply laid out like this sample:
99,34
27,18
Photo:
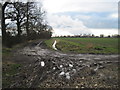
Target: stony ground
45,68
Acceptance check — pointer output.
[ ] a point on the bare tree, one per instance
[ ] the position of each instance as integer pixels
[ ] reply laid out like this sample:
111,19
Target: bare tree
3,21
27,18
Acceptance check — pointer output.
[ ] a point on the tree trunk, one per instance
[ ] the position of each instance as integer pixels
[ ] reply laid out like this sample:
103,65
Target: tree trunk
4,36
27,23
18,27
3,23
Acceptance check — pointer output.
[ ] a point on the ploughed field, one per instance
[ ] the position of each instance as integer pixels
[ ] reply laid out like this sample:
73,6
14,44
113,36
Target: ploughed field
86,45
36,65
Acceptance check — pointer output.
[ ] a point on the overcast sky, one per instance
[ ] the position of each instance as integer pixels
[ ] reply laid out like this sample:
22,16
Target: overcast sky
73,17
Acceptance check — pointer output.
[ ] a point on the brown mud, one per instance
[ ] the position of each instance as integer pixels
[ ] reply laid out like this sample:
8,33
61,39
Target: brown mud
63,70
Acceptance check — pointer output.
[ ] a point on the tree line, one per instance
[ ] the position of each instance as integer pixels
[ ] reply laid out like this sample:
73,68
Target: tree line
22,22
90,36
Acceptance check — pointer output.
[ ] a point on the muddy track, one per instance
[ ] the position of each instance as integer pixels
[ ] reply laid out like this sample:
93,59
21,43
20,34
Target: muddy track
59,66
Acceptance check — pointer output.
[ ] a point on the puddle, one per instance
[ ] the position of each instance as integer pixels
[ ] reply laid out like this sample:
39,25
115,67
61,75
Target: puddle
54,45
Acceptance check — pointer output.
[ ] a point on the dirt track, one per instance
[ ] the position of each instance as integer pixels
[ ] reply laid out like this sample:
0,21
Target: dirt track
64,70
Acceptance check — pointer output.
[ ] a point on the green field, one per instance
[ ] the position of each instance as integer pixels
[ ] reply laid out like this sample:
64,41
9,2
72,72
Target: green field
85,45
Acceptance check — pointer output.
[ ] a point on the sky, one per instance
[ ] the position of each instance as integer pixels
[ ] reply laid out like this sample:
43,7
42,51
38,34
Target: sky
74,17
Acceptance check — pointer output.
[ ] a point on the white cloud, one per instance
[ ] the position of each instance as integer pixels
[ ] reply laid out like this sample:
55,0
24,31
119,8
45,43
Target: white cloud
96,32
70,31
114,15
64,21
104,31
59,32
65,25
55,6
